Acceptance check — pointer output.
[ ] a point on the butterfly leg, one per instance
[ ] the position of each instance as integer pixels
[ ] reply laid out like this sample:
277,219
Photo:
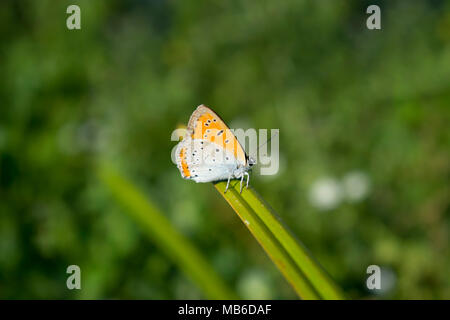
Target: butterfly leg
242,179
228,183
248,178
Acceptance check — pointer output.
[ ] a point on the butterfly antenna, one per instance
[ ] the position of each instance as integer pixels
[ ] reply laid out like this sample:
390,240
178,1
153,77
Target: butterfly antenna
267,141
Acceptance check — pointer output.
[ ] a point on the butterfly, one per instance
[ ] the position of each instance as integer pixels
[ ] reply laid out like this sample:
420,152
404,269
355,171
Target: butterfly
210,151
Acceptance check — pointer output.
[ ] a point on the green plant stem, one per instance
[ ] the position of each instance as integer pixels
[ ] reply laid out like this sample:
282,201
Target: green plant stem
160,230
310,270
303,258
270,244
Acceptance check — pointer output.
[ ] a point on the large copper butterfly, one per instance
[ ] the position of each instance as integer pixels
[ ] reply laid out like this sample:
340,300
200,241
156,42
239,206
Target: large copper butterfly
210,151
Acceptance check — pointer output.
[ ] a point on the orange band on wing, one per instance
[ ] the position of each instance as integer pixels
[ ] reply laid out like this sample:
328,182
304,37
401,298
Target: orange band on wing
184,166
205,122
211,128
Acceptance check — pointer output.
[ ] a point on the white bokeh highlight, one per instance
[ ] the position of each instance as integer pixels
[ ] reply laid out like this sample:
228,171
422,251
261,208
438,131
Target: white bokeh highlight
325,193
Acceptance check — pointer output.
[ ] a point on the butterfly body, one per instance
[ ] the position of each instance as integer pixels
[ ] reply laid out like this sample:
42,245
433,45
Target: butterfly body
210,151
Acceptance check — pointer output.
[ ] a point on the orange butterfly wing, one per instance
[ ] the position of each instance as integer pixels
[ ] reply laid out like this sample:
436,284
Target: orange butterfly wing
205,124
184,168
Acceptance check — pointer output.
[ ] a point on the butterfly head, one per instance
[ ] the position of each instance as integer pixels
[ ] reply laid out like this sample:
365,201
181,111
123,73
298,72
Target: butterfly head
251,162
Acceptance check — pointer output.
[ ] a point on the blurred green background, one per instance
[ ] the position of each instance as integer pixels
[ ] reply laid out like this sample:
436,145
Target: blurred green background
364,141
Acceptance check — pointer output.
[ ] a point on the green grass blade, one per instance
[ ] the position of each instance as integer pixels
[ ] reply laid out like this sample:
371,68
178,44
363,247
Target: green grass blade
303,260
169,240
270,244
